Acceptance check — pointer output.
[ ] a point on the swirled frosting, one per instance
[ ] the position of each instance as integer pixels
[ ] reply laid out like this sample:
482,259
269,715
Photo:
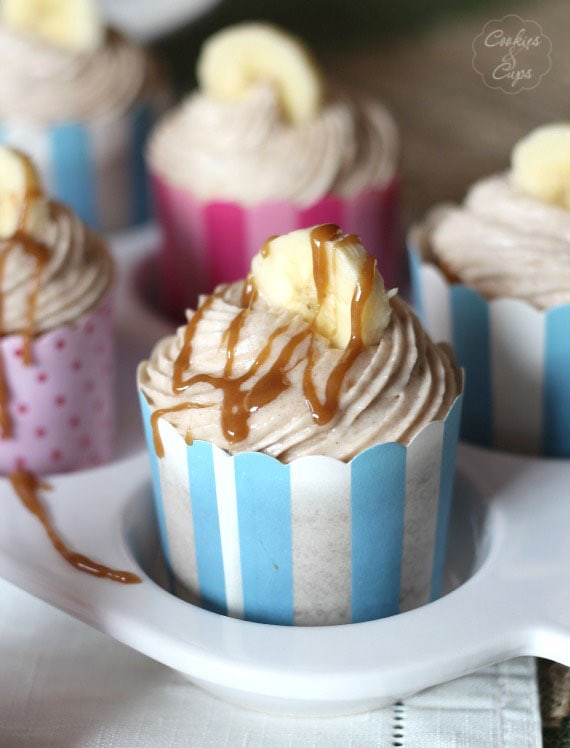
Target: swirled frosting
390,392
503,243
41,83
77,274
246,152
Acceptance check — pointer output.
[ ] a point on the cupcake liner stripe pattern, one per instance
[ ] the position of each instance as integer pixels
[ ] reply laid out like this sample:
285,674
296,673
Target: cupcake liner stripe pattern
516,359
317,541
556,439
377,535
207,243
97,168
71,156
61,406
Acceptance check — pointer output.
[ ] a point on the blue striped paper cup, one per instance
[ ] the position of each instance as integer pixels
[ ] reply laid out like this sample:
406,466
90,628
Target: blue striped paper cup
516,360
314,542
96,167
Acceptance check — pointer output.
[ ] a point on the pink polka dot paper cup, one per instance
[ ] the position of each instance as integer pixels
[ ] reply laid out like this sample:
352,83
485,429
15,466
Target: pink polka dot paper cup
61,406
205,243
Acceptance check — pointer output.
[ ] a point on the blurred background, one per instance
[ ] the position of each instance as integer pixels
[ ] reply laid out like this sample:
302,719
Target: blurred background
416,55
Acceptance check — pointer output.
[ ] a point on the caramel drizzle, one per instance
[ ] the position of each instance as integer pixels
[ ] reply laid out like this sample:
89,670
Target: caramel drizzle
27,486
322,413
321,275
238,403
266,246
156,438
231,338
40,253
248,293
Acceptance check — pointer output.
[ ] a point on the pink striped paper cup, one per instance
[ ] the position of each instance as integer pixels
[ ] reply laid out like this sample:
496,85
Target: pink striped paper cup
207,243
62,405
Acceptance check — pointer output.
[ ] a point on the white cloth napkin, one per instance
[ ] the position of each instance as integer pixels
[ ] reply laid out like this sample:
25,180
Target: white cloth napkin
64,685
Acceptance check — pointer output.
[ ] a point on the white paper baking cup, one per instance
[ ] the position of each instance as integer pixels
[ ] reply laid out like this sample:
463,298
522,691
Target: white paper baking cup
314,542
516,360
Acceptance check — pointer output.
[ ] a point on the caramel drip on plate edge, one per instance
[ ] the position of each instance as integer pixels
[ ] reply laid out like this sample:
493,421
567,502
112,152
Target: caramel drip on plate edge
27,486
238,403
40,253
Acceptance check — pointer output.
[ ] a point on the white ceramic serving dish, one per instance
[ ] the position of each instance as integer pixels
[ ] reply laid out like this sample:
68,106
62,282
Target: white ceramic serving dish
506,576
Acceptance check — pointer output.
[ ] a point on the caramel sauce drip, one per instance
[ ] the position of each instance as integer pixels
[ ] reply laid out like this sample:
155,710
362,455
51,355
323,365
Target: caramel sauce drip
248,293
322,413
347,241
40,253
319,235
265,247
183,358
158,445
27,486
231,338
237,401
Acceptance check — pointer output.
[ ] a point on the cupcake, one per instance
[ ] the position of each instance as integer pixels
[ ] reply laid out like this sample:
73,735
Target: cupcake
492,277
56,357
265,145
79,99
302,430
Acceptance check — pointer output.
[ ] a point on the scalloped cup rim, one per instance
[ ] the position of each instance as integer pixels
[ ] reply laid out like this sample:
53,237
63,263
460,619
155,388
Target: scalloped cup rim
373,447
391,181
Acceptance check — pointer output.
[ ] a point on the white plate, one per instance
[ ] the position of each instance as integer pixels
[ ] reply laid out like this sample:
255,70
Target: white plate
149,19
507,568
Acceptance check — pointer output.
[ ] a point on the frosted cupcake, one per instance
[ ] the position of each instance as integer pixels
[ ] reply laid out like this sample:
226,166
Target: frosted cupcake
265,145
302,430
79,98
492,276
56,357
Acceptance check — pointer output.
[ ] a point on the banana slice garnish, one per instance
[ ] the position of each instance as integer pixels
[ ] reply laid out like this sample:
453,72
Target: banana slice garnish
322,274
540,164
23,204
74,25
241,56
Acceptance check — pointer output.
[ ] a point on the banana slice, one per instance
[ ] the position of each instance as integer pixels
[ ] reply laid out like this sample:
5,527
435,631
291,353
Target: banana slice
235,59
74,25
23,205
321,274
540,164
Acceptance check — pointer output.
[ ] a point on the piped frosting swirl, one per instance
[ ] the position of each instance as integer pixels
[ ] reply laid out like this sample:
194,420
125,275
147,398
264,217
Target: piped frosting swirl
389,393
503,243
76,274
248,153
41,83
